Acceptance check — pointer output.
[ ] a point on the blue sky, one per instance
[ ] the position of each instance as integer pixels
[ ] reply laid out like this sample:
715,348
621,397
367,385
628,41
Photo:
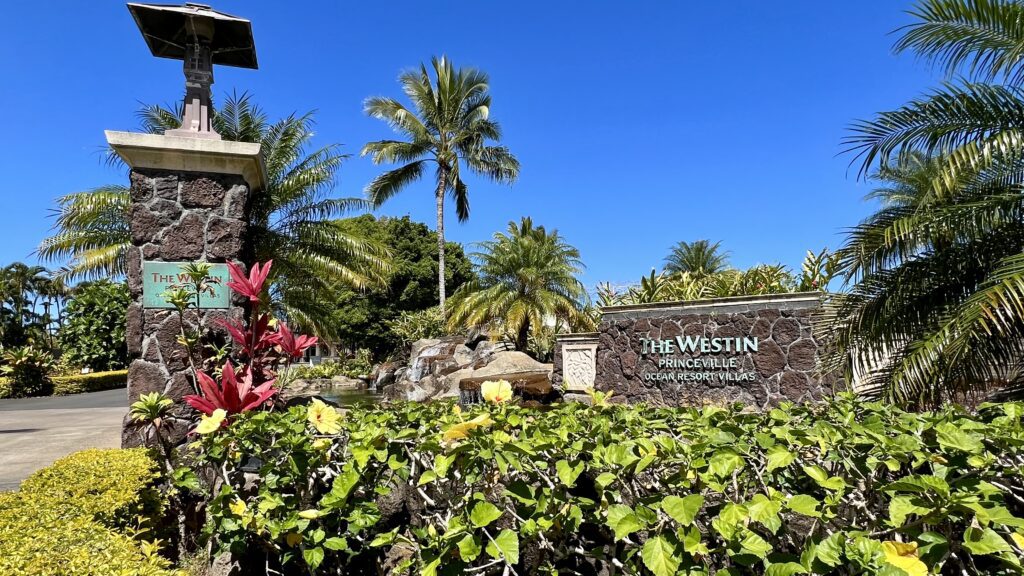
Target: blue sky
637,124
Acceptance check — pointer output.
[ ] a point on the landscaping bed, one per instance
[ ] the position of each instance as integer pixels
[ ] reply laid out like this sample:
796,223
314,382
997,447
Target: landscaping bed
844,487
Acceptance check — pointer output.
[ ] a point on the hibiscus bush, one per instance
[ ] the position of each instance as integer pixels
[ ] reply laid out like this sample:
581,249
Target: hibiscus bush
842,487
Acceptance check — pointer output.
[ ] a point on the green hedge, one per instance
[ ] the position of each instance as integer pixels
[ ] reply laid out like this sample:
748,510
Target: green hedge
92,382
74,518
844,487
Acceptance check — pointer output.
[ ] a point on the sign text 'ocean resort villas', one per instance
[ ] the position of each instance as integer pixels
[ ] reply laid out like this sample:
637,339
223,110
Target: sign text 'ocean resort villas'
751,349
190,199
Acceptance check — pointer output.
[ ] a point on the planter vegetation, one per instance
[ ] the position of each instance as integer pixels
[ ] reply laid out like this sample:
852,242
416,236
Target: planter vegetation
843,487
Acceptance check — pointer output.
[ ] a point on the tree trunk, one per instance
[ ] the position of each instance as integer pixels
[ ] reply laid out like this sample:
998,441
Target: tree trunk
442,181
523,337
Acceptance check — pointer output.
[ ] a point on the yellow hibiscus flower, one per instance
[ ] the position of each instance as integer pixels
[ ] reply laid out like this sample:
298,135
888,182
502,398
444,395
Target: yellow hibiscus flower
496,391
323,417
462,429
904,556
211,423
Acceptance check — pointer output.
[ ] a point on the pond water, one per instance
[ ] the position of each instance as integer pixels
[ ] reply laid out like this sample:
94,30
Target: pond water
352,397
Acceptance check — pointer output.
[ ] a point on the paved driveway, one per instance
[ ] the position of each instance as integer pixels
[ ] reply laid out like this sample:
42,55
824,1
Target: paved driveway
36,431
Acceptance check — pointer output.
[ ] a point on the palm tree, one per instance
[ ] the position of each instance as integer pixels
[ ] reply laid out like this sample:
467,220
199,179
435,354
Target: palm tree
936,305
930,313
291,219
449,127
92,232
699,258
527,276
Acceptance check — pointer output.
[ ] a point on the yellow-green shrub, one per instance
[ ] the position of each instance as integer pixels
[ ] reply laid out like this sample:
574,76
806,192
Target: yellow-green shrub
5,387
66,518
112,486
37,539
93,382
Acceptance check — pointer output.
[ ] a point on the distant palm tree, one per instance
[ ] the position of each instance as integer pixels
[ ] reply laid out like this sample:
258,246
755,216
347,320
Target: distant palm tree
292,219
527,276
449,126
699,258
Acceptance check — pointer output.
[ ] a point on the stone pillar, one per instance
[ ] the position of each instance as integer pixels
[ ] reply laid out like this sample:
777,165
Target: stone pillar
189,202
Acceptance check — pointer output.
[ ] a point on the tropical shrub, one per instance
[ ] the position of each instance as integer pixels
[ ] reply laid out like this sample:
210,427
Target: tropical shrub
84,515
5,387
843,487
697,271
92,382
93,335
359,364
264,346
412,326
27,369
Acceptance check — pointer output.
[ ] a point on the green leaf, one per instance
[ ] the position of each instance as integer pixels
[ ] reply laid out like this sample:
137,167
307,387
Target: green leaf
804,504
724,463
683,510
785,569
430,568
484,513
950,436
830,550
902,506
313,556
335,543
779,457
766,511
622,520
754,544
605,479
427,477
568,474
984,541
505,545
469,548
659,555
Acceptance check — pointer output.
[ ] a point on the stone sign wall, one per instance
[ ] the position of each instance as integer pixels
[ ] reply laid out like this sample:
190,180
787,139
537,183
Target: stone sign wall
754,350
178,216
190,201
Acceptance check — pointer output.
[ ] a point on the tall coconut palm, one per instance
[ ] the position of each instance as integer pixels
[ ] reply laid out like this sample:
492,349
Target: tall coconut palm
291,219
936,304
527,276
449,126
699,258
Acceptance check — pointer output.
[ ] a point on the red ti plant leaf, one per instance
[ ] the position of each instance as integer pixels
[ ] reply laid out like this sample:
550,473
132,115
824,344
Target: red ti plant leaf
257,339
234,395
251,286
293,346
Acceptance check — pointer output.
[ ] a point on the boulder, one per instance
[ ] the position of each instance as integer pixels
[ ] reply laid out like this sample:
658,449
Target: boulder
444,376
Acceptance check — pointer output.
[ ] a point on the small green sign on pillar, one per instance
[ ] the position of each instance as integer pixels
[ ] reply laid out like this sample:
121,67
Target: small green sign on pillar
159,277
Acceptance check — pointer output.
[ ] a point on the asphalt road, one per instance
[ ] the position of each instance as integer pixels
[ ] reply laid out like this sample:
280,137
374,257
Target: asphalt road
36,431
